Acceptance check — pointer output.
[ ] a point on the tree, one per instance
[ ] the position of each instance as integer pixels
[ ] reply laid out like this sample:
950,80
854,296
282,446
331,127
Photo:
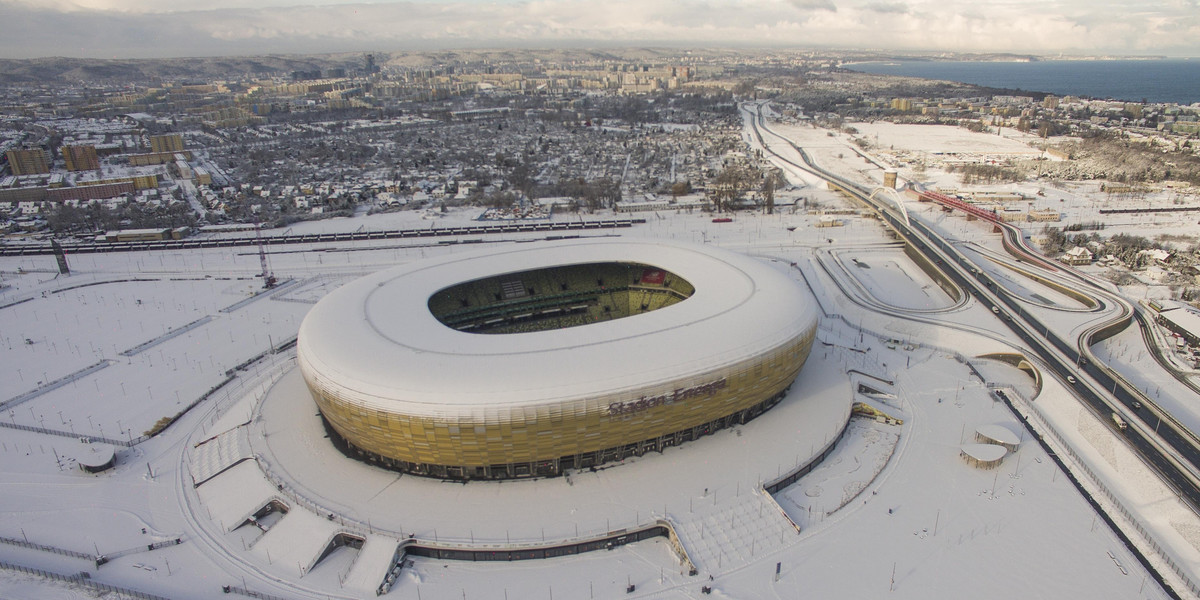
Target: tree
66,218
772,180
502,199
520,177
680,188
733,181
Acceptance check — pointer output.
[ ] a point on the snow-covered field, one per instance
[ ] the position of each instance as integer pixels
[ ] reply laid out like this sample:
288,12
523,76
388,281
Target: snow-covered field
890,276
945,140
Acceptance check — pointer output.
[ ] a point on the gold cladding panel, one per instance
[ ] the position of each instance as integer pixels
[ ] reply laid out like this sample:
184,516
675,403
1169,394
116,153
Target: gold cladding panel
549,432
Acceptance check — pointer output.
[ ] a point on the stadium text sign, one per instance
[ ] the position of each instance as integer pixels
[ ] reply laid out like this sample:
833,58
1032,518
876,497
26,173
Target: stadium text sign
680,394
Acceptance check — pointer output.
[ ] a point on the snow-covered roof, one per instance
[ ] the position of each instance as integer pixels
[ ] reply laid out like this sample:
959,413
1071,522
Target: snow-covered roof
986,453
96,457
376,341
1156,253
1183,318
998,434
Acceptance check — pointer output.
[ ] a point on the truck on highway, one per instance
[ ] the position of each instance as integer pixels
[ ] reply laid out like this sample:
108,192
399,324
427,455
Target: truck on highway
1120,423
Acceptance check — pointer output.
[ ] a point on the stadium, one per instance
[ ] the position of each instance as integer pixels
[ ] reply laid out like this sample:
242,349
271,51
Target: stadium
532,359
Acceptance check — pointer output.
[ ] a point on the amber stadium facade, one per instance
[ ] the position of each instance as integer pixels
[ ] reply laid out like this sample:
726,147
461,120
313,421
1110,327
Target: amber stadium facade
539,358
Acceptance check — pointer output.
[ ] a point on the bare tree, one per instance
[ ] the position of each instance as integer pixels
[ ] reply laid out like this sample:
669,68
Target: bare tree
731,183
772,180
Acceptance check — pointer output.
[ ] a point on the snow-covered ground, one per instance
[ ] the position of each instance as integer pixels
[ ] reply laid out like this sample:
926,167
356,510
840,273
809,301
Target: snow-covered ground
888,275
1083,430
943,141
893,510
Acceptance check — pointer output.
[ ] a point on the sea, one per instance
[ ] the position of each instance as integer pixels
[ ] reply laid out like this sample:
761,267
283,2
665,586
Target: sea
1153,80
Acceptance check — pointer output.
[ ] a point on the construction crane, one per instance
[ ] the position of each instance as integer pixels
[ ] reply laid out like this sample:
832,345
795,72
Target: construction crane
267,276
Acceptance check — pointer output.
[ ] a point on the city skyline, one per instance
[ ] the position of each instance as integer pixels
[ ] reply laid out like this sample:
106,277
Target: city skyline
143,29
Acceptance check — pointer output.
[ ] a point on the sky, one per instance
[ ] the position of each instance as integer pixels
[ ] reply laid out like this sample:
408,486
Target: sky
175,28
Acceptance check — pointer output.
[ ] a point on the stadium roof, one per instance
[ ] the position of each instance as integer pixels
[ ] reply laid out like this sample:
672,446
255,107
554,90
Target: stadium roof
376,339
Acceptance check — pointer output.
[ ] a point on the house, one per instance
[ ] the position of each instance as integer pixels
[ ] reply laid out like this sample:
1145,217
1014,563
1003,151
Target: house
1158,255
390,199
1077,256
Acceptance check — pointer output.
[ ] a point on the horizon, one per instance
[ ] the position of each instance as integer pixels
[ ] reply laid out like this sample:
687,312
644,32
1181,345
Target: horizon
858,55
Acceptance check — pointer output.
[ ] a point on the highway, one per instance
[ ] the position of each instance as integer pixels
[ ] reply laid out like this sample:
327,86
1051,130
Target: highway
1178,463
1165,427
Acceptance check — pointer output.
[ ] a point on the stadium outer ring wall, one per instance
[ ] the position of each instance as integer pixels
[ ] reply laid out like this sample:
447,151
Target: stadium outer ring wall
546,438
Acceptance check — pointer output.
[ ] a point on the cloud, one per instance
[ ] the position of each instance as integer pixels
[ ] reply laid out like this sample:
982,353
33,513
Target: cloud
887,7
161,6
813,5
95,28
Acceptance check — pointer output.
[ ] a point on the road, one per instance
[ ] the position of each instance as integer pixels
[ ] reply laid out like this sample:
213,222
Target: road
1177,463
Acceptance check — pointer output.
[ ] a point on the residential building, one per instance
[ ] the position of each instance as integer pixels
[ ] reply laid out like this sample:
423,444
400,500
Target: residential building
29,161
81,158
171,142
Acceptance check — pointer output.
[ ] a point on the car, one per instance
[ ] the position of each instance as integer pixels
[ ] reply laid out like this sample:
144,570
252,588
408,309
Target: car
1071,379
1136,405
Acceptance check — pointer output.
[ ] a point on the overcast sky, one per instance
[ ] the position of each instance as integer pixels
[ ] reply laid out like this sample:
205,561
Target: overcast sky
156,28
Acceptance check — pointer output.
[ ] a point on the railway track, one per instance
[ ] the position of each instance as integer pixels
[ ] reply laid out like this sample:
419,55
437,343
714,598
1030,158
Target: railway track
314,238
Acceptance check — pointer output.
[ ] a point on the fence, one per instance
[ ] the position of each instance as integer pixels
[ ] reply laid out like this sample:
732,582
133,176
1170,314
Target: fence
133,441
259,295
45,548
233,589
138,549
1096,482
244,365
179,415
84,579
230,376
1044,424
178,331
317,280
52,385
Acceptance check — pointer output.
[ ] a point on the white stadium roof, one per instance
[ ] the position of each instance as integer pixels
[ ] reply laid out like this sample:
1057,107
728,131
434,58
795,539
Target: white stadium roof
377,341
